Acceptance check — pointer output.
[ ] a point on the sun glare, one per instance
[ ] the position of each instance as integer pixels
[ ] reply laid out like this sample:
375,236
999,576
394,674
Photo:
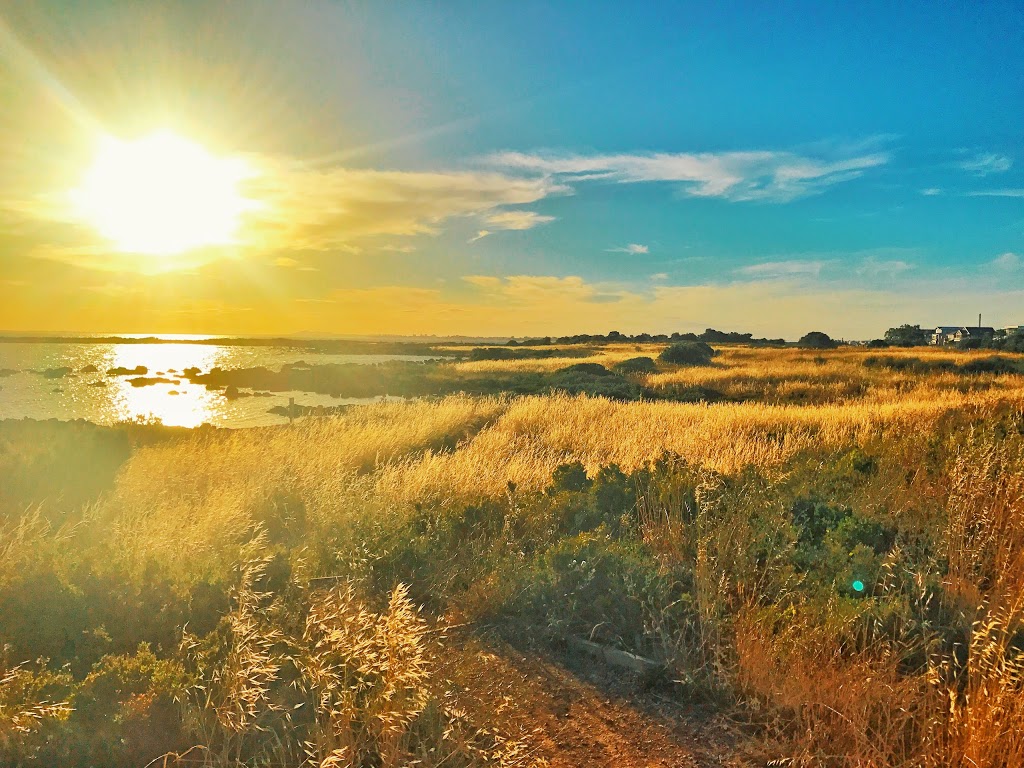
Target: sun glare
162,195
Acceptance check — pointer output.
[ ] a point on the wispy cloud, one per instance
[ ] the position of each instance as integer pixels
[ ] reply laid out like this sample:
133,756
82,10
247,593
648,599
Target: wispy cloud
931,191
510,220
875,267
517,220
635,249
792,268
1011,192
659,276
769,176
326,209
984,163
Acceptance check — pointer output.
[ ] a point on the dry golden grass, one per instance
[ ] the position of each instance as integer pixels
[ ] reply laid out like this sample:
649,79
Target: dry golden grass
774,375
534,435
181,497
835,700
178,500
834,707
365,687
799,375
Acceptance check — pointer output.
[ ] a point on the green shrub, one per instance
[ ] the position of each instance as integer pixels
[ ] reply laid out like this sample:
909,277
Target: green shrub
687,353
595,380
569,477
594,586
125,712
817,340
62,466
993,364
836,546
636,365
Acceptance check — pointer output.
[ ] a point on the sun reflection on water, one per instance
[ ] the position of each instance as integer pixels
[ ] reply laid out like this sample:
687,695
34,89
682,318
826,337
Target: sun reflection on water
191,406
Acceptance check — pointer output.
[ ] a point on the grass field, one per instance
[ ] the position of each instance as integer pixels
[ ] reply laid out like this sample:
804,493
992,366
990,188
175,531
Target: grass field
828,551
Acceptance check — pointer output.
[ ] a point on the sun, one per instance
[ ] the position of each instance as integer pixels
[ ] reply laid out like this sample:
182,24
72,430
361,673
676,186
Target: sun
162,195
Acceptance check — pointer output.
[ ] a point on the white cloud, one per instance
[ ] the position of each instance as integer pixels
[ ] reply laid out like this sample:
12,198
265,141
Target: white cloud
310,209
517,220
634,249
875,267
1007,262
771,270
659,276
760,175
931,191
1019,192
985,163
510,220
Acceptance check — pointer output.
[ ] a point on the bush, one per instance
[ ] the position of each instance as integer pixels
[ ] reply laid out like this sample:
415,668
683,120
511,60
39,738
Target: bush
687,353
637,365
993,364
65,465
125,711
596,587
1013,342
590,369
688,393
835,545
817,340
593,379
570,477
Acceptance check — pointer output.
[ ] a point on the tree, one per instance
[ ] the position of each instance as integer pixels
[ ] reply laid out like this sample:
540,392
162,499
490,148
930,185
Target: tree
817,340
907,336
687,353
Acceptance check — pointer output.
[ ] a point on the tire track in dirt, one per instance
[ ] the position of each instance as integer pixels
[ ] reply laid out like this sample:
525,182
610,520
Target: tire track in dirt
571,719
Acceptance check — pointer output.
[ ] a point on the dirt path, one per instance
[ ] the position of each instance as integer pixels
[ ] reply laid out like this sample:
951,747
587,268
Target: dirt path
576,713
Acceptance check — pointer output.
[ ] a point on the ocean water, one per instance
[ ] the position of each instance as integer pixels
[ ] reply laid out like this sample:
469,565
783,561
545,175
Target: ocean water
103,398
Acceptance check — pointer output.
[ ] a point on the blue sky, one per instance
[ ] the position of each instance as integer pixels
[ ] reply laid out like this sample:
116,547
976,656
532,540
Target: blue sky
571,167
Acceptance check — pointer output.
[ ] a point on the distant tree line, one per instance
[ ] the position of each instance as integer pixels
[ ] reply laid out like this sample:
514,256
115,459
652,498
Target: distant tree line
709,336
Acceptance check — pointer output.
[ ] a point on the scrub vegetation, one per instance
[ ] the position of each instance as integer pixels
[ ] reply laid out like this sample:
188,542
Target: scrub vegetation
682,371
820,550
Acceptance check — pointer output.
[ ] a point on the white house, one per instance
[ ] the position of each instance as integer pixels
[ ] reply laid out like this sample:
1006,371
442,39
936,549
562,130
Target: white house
949,334
943,334
968,332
